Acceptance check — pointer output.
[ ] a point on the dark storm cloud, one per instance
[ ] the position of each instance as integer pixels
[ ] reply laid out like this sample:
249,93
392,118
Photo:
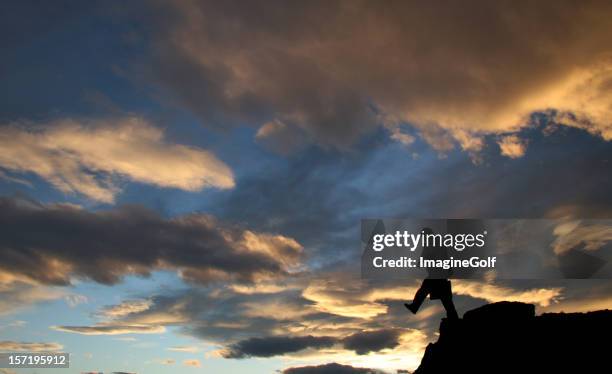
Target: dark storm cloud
338,69
332,368
277,345
372,341
361,342
51,243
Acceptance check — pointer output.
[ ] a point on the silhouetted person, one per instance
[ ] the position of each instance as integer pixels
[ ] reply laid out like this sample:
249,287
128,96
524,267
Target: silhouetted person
436,285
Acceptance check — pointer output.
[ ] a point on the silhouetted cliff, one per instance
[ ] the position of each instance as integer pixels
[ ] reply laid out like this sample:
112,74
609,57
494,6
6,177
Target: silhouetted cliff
508,337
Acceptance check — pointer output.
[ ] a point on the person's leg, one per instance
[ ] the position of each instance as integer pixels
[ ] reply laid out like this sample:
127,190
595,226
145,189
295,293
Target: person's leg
419,297
447,302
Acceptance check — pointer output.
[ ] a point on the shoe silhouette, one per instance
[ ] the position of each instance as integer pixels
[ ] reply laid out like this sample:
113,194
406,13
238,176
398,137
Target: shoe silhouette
411,308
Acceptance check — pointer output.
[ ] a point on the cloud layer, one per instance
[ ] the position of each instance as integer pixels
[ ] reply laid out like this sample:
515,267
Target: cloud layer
89,157
342,318
51,243
337,70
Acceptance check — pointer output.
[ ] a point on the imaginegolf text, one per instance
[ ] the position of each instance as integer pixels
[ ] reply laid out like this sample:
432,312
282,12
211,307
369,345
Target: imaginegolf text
407,262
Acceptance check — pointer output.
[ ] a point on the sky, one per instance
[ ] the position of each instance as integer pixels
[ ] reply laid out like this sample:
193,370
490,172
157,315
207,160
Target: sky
182,183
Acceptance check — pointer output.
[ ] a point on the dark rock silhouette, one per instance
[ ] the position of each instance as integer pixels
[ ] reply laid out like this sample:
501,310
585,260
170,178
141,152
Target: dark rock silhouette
508,337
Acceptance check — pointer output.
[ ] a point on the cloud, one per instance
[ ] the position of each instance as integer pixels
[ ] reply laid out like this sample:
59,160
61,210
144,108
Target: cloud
341,299
338,70
74,300
261,288
589,304
357,300
583,295
362,343
18,295
402,137
191,349
12,346
111,329
331,368
106,245
125,308
512,146
276,345
193,362
281,138
589,235
280,309
219,315
381,181
490,292
224,315
14,325
494,293
167,361
88,157
372,341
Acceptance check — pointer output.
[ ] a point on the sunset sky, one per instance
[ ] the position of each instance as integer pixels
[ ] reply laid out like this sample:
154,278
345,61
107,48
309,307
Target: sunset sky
182,183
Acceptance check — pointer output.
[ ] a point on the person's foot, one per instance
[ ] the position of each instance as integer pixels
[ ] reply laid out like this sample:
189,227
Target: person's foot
410,307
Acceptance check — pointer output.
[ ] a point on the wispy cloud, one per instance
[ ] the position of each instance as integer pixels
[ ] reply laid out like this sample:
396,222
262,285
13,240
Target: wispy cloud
125,308
74,300
111,329
184,348
87,157
13,346
18,295
165,361
193,362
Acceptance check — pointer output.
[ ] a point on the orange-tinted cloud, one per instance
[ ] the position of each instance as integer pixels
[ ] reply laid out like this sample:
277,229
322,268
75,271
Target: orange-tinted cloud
166,361
107,329
338,69
589,235
512,146
88,157
193,363
125,308
16,295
